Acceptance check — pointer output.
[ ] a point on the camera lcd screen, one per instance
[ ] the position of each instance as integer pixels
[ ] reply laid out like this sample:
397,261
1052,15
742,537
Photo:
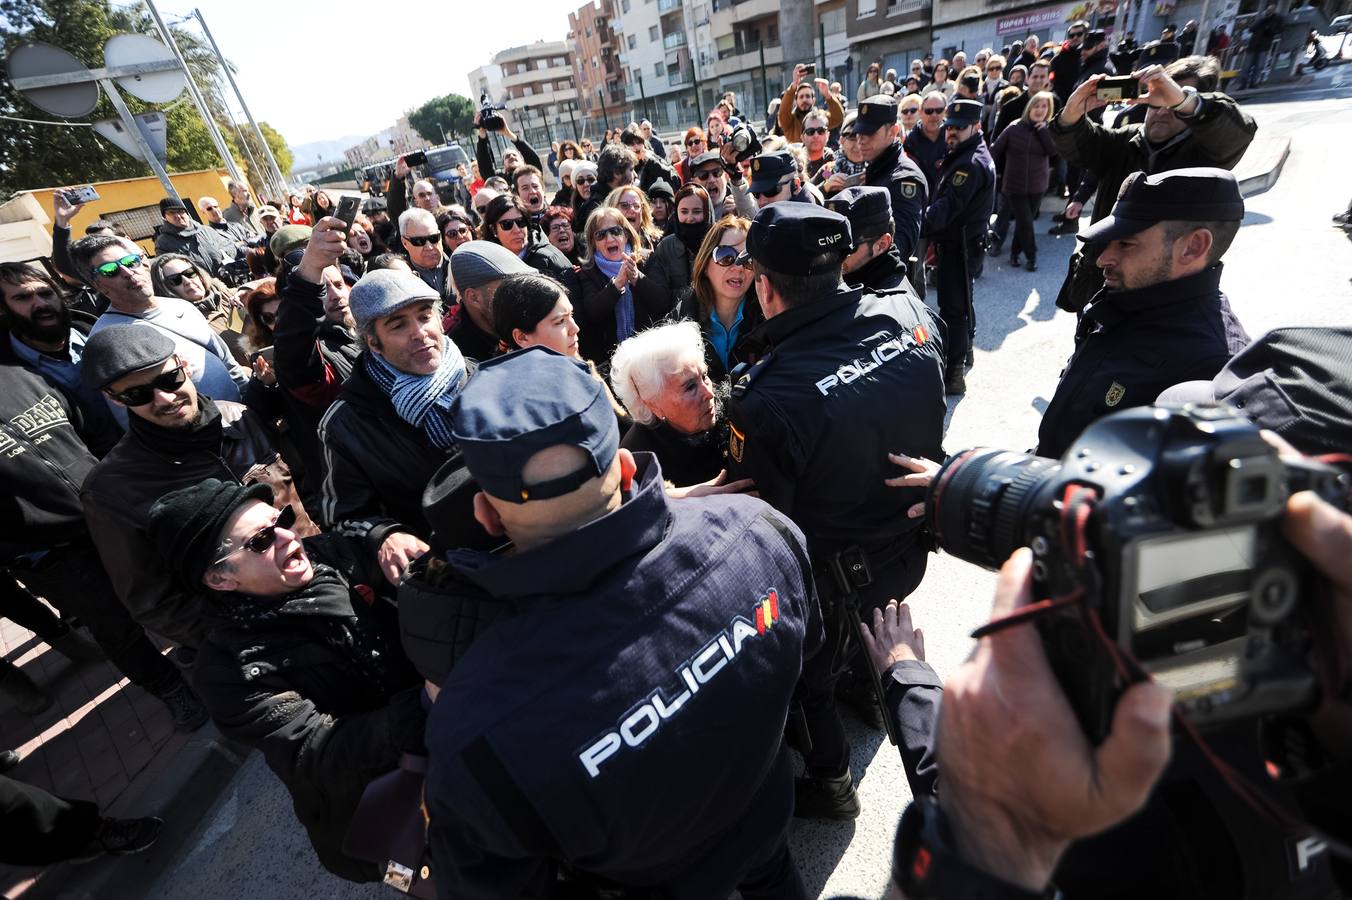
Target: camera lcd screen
1182,576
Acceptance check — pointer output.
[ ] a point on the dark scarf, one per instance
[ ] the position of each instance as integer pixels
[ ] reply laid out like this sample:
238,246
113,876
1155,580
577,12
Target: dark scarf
203,435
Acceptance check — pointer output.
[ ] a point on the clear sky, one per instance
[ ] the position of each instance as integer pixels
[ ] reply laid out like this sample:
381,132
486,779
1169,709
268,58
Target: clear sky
321,70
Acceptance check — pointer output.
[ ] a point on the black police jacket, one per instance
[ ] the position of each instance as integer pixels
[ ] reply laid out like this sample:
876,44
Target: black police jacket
628,718
848,379
963,201
882,273
1137,343
908,190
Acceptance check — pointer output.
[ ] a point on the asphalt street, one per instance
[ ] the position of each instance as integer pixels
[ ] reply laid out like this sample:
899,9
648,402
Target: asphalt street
1286,267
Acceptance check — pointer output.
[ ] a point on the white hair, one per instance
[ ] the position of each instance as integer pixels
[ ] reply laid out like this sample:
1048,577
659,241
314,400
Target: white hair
416,214
642,363
202,203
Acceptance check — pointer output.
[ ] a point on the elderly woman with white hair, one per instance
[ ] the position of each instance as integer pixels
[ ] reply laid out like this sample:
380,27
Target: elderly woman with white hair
663,381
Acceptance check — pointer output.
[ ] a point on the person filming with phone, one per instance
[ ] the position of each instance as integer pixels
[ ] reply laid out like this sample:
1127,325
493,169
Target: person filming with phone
800,98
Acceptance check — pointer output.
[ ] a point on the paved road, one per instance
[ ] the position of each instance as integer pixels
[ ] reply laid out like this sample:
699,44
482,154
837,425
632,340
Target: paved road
1287,266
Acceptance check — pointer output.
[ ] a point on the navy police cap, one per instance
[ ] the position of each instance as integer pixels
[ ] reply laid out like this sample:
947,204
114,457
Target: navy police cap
1181,195
869,210
874,113
787,237
962,113
769,169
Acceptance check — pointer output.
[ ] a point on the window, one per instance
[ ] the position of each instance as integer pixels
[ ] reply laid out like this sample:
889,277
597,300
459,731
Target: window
652,33
633,42
595,62
867,8
588,32
833,21
624,6
638,76
657,69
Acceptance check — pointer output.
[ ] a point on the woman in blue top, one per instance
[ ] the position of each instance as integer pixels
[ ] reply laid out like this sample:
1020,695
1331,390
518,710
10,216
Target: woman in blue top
721,299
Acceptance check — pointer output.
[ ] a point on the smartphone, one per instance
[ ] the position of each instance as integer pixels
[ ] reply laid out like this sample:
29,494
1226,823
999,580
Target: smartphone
85,194
348,207
415,159
267,353
809,68
1118,87
854,180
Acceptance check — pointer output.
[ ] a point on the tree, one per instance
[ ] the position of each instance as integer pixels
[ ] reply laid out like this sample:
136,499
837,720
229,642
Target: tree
451,112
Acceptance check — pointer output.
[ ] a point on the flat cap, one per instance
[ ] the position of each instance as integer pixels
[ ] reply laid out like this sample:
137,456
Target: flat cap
708,156
874,113
476,263
385,292
769,169
186,524
265,211
786,237
869,210
962,113
118,350
1181,195
288,238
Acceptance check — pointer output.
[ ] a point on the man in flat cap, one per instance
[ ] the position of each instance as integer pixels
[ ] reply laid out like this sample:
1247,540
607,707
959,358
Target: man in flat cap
1160,318
874,264
180,233
176,436
956,221
576,733
849,376
477,268
302,659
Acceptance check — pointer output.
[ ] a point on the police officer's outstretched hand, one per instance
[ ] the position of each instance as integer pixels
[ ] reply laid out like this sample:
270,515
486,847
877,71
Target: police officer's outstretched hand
719,484
1020,779
893,639
920,475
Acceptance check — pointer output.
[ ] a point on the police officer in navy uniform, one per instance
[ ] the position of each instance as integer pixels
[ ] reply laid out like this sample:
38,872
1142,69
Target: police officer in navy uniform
879,143
956,221
875,264
847,377
622,720
775,177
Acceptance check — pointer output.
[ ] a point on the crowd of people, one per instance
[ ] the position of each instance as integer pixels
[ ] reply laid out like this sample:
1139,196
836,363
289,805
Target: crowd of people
598,502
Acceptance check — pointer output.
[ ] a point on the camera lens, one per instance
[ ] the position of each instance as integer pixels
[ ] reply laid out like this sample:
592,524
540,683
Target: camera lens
980,505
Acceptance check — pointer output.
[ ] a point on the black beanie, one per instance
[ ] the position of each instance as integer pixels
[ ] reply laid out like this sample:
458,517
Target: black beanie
186,524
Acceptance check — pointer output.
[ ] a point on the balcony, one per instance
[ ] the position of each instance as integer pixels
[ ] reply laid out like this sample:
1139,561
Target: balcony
542,98
750,59
531,76
674,40
667,5
679,79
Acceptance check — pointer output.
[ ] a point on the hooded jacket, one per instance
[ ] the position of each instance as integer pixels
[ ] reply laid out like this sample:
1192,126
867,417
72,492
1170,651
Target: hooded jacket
205,246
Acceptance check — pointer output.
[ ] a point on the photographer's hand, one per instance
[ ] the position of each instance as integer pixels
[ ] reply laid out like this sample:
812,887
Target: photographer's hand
1082,101
1157,88
1020,779
328,241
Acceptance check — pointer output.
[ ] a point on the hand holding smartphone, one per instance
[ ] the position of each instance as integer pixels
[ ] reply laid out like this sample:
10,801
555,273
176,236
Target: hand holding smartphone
348,207
1116,88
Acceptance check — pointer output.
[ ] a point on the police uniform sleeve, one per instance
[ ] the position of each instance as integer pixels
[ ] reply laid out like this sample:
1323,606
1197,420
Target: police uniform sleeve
913,691
909,195
954,197
760,447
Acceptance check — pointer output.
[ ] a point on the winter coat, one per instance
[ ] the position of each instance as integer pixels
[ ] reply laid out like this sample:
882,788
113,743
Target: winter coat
594,299
1022,153
207,247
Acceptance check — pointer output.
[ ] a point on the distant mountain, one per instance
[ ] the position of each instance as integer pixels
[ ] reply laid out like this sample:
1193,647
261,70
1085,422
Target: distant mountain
309,155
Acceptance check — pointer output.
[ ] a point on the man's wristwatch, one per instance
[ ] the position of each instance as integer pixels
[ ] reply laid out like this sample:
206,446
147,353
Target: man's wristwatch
926,867
1188,93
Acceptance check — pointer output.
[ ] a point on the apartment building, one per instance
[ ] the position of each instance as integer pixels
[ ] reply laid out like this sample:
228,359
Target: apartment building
597,70
540,92
390,142
654,47
487,79
972,24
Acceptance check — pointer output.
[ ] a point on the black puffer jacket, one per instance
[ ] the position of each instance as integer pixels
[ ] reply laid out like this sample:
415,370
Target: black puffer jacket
208,248
671,267
594,298
317,682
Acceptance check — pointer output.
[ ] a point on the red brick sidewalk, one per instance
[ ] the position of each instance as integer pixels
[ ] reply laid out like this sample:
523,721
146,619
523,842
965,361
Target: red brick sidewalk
98,735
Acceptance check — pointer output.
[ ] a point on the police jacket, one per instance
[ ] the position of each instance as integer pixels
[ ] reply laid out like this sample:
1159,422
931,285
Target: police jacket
316,681
1216,136
909,192
232,444
1136,343
882,273
847,379
928,154
962,202
629,718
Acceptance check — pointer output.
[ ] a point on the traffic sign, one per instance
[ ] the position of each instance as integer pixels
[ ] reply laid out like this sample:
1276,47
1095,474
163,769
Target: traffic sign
68,100
136,49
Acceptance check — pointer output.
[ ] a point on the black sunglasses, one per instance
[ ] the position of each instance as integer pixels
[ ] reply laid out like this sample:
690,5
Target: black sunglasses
420,240
613,231
263,539
584,180
693,141
707,174
457,232
815,130
727,257
933,112
178,278
511,224
144,393
779,187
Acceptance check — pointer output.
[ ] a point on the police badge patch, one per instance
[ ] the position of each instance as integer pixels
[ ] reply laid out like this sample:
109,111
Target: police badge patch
959,179
1115,394
736,442
908,191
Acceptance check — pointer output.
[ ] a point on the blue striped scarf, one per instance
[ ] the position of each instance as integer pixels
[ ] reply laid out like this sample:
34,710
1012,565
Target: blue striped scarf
423,401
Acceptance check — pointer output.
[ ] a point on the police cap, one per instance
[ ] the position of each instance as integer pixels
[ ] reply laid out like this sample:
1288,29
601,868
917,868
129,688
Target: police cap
1158,53
869,210
1180,195
505,415
874,113
788,237
962,113
769,169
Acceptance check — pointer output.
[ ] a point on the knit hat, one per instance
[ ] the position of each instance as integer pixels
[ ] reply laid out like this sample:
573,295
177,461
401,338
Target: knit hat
186,524
566,168
118,350
168,203
584,167
385,292
288,238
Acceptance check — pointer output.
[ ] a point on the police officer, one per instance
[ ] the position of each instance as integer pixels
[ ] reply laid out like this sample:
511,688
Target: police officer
875,264
956,222
637,640
775,177
847,376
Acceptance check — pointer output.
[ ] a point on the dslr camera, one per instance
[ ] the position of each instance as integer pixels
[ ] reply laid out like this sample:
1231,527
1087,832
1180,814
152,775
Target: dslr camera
1169,521
743,139
489,112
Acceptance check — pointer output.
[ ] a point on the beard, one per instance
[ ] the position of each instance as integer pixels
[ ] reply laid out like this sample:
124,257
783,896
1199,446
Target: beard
49,328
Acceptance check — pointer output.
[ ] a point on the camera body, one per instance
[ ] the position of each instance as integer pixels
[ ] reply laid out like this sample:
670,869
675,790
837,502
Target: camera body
489,111
745,143
1115,88
1180,553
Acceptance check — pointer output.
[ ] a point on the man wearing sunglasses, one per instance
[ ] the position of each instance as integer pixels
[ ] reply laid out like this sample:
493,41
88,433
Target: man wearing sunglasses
175,437
775,179
214,218
209,248
800,98
304,663
712,173
925,143
49,442
849,376
874,264
421,238
816,132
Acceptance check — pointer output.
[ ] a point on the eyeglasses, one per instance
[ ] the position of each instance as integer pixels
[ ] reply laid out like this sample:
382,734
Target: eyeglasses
933,111
142,394
771,193
128,262
560,225
1075,34
630,205
262,540
210,208
694,141
727,257
512,224
912,111
584,180
178,278
421,240
457,232
814,130
707,174
995,68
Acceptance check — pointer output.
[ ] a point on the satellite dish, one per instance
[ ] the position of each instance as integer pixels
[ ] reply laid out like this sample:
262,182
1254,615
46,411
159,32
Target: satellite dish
69,101
133,49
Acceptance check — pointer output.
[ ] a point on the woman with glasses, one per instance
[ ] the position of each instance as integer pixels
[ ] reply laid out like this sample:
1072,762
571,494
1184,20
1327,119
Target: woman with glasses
872,84
261,303
941,84
557,223
175,275
507,222
908,112
721,300
634,204
456,228
695,144
613,298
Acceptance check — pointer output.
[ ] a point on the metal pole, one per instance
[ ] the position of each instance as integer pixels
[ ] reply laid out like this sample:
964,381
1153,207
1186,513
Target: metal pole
643,96
821,45
600,92
765,82
134,129
244,145
267,151
197,97
572,108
